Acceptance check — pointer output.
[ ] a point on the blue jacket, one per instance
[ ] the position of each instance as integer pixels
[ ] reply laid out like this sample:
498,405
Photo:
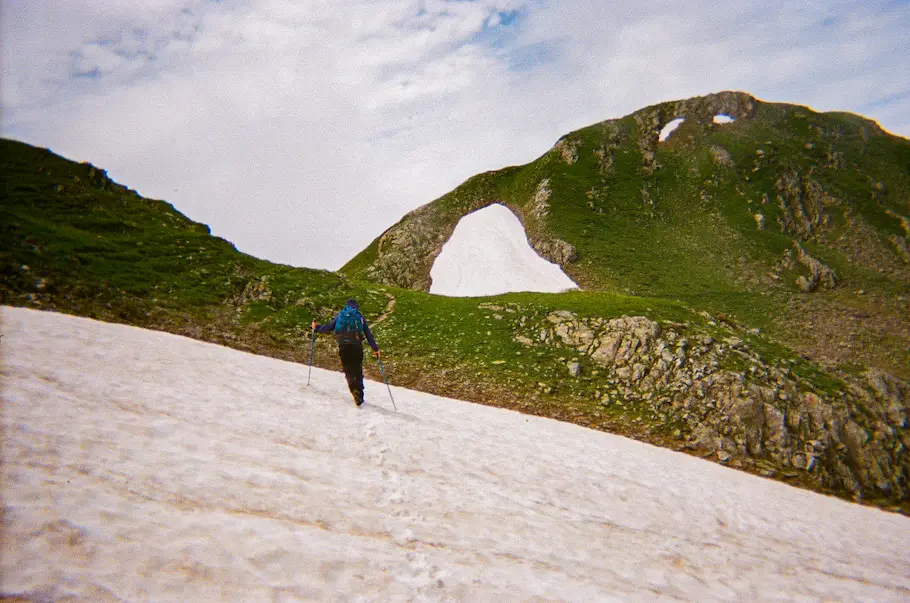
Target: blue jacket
330,327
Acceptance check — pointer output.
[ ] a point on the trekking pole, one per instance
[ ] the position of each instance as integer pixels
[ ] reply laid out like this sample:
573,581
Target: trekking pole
312,347
382,370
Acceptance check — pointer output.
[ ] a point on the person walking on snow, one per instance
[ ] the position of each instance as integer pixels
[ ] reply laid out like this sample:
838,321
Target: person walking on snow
350,329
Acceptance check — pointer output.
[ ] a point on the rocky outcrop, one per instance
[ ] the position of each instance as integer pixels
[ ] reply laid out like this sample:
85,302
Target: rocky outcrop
721,156
408,249
819,274
901,244
901,247
802,204
547,246
905,221
745,411
553,249
255,290
834,160
611,138
700,109
540,202
568,149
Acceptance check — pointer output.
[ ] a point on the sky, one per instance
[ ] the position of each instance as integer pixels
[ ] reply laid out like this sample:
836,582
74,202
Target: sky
300,131
140,465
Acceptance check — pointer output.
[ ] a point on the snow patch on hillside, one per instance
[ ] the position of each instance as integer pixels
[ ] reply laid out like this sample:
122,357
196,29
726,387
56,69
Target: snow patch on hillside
488,254
139,465
669,128
720,118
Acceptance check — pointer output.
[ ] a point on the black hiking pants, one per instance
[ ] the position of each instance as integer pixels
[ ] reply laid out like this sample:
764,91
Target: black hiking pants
351,355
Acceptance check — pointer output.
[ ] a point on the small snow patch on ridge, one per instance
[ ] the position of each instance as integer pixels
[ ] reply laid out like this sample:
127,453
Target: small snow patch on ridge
722,118
668,129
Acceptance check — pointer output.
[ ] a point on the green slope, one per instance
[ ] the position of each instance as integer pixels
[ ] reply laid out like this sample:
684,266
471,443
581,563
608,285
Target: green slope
73,240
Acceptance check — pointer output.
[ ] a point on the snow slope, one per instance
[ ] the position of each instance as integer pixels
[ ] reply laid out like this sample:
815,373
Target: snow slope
141,465
488,254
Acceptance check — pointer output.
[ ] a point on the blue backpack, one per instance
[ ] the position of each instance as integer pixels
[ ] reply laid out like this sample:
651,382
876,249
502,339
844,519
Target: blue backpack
349,325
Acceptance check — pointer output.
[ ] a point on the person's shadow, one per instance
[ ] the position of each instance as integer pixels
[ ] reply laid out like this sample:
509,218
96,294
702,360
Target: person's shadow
389,412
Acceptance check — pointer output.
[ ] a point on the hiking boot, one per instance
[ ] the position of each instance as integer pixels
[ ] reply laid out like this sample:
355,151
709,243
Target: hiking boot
358,398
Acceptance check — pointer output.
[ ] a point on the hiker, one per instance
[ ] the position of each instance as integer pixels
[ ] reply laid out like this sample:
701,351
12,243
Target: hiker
350,328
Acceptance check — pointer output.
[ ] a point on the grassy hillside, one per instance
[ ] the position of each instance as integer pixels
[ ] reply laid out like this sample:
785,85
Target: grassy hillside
648,352
71,239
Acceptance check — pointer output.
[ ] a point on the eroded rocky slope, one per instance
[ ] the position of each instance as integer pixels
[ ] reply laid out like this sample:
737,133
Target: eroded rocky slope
721,395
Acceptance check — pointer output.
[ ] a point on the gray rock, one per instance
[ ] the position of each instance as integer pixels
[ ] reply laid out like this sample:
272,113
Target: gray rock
540,203
854,439
819,273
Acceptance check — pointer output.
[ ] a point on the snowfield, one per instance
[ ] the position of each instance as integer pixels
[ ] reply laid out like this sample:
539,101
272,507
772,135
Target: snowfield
489,254
139,465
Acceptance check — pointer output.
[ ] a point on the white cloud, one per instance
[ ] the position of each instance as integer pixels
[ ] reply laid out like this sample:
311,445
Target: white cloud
301,130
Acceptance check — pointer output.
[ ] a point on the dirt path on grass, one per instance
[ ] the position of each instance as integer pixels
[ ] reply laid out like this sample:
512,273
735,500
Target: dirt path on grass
390,307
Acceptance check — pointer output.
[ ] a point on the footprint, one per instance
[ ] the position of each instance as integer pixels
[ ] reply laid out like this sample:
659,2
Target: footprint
426,576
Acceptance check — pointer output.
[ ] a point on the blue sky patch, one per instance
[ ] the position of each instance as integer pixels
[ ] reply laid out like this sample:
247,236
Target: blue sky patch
91,74
531,56
499,28
887,100
506,18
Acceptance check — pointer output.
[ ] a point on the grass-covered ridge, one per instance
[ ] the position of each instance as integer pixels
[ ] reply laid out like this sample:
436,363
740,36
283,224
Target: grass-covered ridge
75,241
